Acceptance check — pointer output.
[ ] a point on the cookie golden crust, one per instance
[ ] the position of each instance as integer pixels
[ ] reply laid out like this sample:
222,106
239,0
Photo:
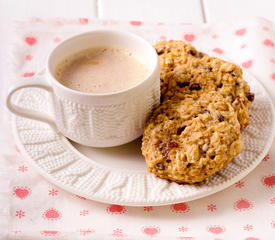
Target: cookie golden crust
184,70
189,139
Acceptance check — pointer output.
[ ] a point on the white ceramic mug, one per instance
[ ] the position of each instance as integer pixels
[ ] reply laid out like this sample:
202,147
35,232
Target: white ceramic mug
98,120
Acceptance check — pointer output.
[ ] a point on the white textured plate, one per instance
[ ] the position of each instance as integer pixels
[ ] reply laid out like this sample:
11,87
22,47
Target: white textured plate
118,175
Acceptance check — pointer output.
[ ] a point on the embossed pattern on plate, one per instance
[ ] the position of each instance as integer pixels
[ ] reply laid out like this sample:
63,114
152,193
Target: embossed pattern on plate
62,164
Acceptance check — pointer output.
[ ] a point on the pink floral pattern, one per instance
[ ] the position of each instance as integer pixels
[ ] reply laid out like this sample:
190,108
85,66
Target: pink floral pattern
215,36
50,233
34,200
268,43
22,168
85,232
84,212
148,209
216,229
135,23
240,32
20,214
28,74
269,181
266,158
243,205
247,64
53,192
217,50
118,233
29,57
57,39
183,229
150,230
116,209
248,227
239,184
51,214
21,192
190,37
212,207
180,208
30,40
83,21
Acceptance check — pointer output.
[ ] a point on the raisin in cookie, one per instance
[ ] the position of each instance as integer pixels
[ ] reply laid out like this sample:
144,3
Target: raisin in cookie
187,140
184,70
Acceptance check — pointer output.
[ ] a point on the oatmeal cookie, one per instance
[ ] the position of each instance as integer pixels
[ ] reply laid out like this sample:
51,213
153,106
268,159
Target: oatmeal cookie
189,139
184,70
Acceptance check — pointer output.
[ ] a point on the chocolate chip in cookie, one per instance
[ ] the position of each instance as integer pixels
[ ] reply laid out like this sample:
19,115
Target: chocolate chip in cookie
183,84
220,85
195,86
208,69
205,111
160,51
220,117
180,130
205,142
250,96
191,52
166,148
160,166
201,54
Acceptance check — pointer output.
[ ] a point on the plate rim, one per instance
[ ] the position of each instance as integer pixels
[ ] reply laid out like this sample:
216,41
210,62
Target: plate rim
215,189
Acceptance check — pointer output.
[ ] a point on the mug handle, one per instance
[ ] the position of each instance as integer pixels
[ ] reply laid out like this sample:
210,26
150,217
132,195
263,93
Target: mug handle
33,82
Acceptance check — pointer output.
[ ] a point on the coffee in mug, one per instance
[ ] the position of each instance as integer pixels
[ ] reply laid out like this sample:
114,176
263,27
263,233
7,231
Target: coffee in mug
101,70
107,107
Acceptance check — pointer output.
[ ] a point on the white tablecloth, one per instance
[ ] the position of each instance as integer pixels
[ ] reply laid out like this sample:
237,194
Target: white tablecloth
32,208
